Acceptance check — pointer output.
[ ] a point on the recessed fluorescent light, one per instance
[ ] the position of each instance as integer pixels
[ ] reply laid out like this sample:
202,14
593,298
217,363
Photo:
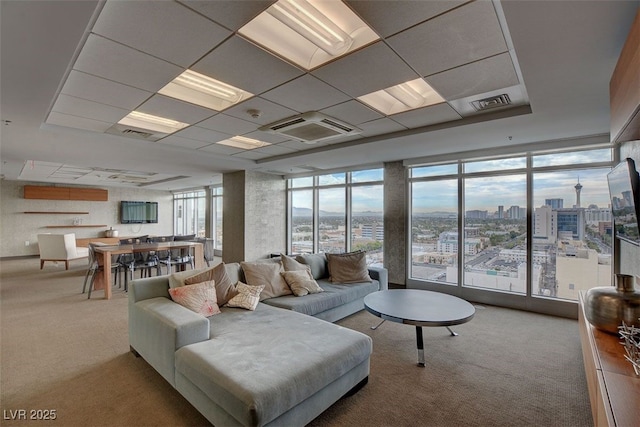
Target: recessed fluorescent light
152,123
309,33
403,97
203,90
243,142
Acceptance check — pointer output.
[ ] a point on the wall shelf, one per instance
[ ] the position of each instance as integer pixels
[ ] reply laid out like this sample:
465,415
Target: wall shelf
56,213
75,226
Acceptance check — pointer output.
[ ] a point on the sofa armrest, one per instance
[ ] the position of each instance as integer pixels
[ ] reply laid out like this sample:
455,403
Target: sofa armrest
150,287
158,327
381,275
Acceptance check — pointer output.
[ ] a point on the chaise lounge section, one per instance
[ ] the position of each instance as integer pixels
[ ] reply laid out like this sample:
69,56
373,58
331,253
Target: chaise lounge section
281,364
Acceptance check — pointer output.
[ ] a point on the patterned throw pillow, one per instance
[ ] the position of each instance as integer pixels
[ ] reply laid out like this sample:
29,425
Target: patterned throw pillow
200,297
301,282
248,296
350,267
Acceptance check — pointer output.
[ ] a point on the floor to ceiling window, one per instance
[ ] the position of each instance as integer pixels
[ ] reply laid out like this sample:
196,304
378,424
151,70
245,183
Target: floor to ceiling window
216,217
189,213
536,225
337,213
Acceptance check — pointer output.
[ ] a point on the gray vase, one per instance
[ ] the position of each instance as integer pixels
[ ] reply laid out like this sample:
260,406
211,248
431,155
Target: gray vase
606,307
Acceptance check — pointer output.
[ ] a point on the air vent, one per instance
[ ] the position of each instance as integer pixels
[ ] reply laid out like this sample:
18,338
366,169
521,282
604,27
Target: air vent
133,132
311,127
492,102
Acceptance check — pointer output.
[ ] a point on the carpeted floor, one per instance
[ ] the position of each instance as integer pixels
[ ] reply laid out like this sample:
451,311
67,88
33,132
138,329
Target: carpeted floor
62,352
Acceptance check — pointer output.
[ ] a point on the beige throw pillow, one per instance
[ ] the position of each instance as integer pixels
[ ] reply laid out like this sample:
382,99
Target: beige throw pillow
177,279
199,297
350,267
225,289
290,264
266,274
301,282
248,296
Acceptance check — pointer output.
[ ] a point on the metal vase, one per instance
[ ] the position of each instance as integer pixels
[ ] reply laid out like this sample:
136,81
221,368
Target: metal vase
606,307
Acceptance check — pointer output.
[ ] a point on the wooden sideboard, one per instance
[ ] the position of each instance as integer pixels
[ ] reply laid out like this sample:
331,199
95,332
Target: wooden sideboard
84,242
614,388
65,193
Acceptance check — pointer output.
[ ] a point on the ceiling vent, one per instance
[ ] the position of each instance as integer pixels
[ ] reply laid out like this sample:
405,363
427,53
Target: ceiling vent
134,132
311,127
492,102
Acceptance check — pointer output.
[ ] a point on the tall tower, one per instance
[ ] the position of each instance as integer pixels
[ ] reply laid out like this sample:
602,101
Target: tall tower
578,187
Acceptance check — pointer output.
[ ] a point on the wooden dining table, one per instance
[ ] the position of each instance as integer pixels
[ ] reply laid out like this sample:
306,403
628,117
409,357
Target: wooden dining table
104,256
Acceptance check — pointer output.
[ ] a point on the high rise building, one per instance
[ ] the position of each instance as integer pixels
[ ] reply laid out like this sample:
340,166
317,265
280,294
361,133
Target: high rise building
578,188
554,203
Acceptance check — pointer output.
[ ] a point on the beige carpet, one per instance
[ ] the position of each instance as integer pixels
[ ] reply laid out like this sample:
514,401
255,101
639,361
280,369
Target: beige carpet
62,352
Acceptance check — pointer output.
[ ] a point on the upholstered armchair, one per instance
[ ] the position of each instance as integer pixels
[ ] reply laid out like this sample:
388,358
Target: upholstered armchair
60,247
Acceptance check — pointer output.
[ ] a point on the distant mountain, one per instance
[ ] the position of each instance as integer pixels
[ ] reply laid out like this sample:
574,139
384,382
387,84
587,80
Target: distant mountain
309,212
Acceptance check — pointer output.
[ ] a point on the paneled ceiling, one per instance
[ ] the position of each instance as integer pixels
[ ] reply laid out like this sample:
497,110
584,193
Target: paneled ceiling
71,71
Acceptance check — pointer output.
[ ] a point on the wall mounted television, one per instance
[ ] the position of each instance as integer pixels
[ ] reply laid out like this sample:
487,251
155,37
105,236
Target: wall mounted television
624,190
138,212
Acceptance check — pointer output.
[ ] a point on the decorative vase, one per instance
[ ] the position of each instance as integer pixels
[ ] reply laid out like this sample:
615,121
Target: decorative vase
606,307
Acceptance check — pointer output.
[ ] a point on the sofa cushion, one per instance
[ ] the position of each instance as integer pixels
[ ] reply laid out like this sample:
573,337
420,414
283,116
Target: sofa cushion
349,267
248,297
266,274
199,297
225,288
317,262
301,282
334,295
255,379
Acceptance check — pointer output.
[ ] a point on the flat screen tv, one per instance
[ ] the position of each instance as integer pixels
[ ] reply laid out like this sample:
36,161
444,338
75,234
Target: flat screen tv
624,189
138,212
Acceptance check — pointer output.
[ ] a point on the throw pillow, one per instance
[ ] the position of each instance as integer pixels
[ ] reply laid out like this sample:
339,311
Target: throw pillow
200,297
248,296
266,274
225,289
301,282
349,267
317,262
290,264
177,279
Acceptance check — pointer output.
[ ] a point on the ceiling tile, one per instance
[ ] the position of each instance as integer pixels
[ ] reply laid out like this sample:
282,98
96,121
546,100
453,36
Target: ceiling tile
370,69
246,66
252,155
352,112
88,109
463,35
170,108
295,145
113,61
380,126
164,29
232,14
82,85
478,77
76,122
228,124
271,138
201,134
177,141
431,115
405,13
269,112
275,150
306,93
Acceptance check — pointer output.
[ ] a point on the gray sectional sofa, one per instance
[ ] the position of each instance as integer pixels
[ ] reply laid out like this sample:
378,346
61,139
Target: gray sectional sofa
282,364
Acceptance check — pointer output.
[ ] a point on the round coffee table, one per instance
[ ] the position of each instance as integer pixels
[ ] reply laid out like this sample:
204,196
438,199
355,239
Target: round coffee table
419,308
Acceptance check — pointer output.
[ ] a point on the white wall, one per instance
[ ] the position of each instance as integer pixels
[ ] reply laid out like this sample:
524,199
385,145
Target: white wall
16,227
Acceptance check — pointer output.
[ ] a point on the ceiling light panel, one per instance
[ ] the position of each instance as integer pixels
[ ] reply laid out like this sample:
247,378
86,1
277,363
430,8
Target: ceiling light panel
152,123
243,142
309,33
403,97
205,91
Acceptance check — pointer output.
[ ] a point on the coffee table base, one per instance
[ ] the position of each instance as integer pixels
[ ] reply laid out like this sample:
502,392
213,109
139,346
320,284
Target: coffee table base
420,343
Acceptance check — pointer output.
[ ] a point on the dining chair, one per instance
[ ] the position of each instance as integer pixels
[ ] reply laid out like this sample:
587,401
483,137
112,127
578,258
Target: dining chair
176,257
94,268
207,249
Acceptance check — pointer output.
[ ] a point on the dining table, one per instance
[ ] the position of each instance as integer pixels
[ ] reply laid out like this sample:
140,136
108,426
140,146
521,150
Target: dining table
104,257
